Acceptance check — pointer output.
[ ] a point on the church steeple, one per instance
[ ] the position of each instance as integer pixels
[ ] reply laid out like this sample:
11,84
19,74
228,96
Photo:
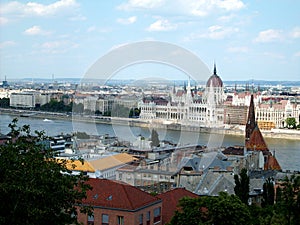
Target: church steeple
251,123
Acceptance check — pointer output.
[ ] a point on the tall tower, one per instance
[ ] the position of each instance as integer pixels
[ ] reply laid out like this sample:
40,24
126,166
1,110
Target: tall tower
251,123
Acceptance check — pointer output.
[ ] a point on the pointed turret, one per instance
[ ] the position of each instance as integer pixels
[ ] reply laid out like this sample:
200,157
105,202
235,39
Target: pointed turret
251,123
215,69
184,87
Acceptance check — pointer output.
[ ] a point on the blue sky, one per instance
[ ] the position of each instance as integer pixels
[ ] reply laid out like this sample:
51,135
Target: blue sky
257,39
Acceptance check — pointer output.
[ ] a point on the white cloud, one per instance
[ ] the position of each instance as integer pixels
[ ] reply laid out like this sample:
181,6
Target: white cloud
57,47
238,49
141,4
3,20
274,55
297,54
230,5
227,18
215,32
91,29
186,7
162,25
6,44
127,21
270,35
37,9
295,32
36,30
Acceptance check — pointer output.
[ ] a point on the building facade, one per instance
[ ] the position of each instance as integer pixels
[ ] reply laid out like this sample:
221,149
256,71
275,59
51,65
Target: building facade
184,108
117,203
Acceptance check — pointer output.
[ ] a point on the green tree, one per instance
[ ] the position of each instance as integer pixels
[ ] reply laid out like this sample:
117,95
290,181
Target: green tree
4,102
291,122
222,210
229,210
154,138
288,203
242,188
35,188
268,193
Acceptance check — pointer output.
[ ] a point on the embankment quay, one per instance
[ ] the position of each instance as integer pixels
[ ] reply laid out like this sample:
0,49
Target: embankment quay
157,124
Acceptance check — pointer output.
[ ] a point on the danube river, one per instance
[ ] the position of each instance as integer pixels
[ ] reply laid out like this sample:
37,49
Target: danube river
287,151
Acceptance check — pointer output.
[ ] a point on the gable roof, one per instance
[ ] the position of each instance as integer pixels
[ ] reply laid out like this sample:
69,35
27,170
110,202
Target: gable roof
112,161
205,161
170,200
214,182
115,195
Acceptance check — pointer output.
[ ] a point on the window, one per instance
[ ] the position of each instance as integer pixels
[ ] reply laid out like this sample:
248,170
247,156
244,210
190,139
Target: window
90,219
141,219
120,220
157,212
105,219
148,217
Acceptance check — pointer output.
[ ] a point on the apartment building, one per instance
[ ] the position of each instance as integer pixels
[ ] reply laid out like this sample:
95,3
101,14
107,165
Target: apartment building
118,203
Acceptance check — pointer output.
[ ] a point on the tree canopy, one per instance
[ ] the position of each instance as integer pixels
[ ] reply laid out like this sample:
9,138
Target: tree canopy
291,122
35,188
242,187
222,210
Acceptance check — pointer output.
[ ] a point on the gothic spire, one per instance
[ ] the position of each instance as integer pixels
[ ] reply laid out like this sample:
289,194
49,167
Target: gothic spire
251,123
215,69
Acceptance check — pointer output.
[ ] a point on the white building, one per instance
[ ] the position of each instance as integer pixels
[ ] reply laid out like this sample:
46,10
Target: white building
185,109
28,99
22,100
268,114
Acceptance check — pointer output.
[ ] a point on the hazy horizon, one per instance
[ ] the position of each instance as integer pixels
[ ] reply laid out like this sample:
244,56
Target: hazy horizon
248,40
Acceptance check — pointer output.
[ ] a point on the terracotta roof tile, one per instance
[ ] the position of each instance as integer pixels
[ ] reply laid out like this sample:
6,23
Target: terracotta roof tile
272,163
111,194
256,141
170,202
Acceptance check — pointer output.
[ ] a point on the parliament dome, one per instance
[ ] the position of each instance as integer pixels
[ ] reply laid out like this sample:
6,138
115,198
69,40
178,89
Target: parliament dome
214,80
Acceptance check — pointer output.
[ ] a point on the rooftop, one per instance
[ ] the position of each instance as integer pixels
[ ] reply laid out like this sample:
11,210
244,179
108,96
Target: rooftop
116,195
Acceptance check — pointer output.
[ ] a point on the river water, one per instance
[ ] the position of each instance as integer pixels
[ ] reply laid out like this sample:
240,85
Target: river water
287,151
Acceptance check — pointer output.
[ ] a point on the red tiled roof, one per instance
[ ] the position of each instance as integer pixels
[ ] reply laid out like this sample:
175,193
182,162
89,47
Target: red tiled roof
272,163
111,194
170,200
256,141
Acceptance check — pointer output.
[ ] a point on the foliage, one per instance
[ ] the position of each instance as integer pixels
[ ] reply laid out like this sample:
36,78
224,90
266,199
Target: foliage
288,200
222,210
36,188
4,102
134,112
268,193
56,106
242,188
291,122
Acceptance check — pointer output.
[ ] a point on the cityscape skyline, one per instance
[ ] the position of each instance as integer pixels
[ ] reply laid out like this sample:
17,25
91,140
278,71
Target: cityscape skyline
62,39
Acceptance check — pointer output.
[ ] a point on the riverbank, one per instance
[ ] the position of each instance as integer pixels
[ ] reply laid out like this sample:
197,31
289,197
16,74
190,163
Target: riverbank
135,122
